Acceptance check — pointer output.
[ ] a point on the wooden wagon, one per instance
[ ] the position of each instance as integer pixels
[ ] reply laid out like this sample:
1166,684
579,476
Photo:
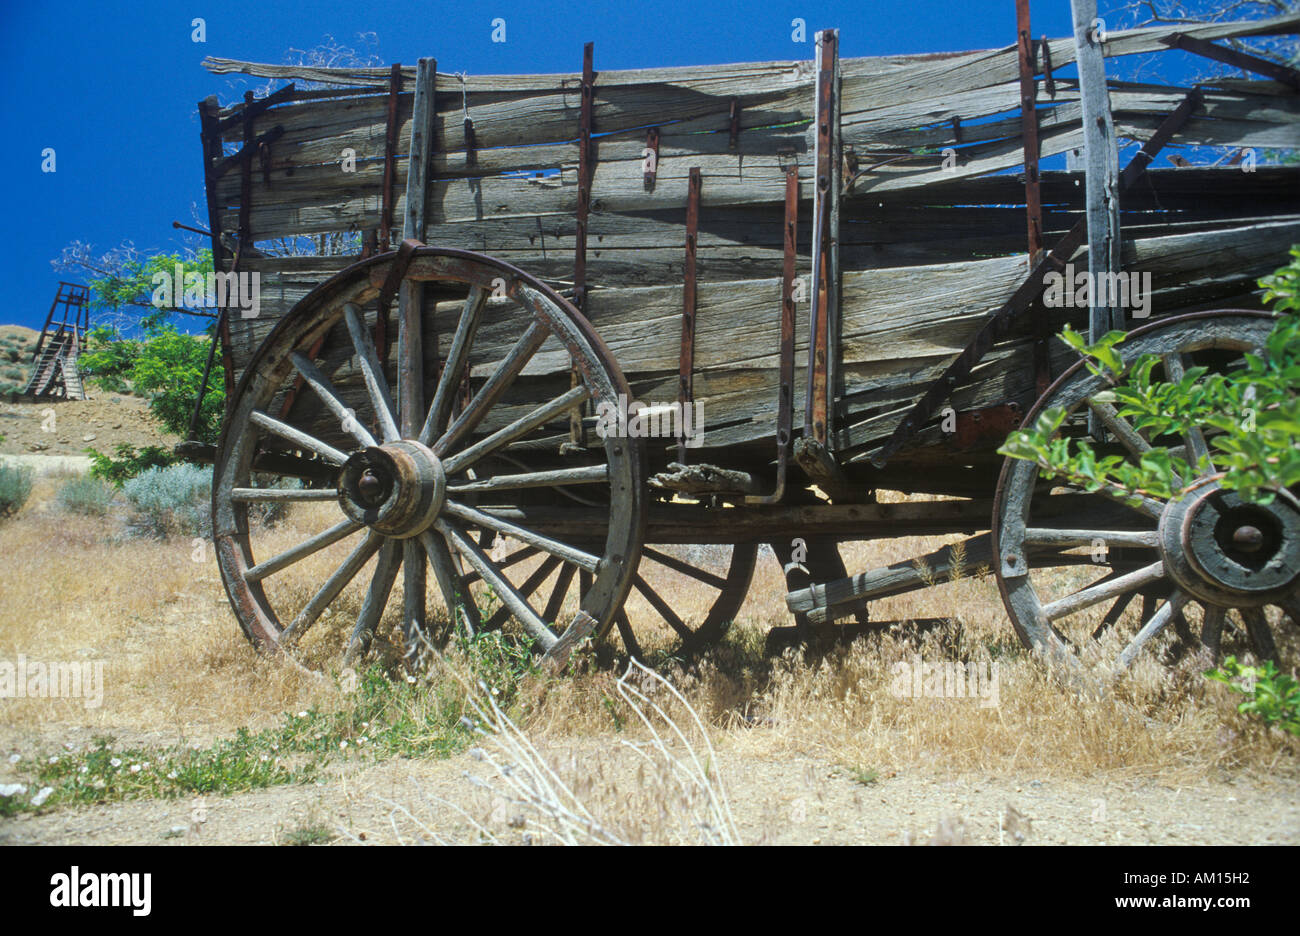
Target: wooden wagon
726,306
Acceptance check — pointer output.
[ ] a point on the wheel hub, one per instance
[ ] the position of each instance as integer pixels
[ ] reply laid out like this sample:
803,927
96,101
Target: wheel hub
1228,551
396,489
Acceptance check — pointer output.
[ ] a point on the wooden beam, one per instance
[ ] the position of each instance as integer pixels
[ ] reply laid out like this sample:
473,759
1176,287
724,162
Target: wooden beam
1101,169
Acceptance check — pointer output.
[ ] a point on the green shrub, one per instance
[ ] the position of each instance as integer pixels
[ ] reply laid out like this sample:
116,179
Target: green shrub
1272,696
171,500
15,488
129,462
86,496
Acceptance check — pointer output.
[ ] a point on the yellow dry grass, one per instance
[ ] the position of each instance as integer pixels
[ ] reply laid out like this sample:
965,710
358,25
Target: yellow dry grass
71,588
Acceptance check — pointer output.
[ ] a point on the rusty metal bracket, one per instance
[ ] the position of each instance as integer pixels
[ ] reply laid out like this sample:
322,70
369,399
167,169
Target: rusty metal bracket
1033,193
990,422
256,107
586,169
733,139
651,155
956,128
1251,63
816,412
390,158
1030,289
785,396
686,363
237,159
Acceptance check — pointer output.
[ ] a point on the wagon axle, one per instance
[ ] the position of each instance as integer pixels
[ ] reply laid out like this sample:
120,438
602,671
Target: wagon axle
396,489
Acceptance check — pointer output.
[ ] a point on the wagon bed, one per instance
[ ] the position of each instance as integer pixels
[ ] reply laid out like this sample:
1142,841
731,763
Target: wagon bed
688,215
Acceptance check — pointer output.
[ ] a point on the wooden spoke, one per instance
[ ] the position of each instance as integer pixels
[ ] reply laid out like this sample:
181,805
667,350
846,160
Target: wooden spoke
530,585
1045,536
514,558
332,587
300,439
593,474
373,372
509,596
662,608
301,551
1261,635
410,360
1113,615
1291,607
413,592
626,634
453,369
1109,588
1168,610
381,586
1129,436
455,595
555,603
521,426
568,553
507,370
251,495
1194,438
678,565
1212,630
329,396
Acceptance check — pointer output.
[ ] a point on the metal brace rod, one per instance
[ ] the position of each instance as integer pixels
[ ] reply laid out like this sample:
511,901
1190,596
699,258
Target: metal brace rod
390,159
785,396
824,270
686,363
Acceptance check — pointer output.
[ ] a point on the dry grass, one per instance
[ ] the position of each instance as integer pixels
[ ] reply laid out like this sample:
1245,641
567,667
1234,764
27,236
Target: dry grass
176,664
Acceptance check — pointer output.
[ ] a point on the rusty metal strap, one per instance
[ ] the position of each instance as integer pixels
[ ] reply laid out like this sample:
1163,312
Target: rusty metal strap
251,110
236,159
816,410
1029,291
686,363
390,156
585,171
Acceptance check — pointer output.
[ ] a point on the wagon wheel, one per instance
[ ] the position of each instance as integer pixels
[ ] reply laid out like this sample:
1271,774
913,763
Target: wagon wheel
681,602
1205,554
403,475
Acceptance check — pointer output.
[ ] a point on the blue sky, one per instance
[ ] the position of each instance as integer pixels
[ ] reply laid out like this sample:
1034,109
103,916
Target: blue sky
113,87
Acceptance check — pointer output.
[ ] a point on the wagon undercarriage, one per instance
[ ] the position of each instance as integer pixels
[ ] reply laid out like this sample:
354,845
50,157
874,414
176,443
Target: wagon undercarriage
744,302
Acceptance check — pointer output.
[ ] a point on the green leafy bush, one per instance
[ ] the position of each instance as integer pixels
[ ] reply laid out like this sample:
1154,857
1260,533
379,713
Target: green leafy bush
1255,410
86,496
15,488
1272,696
171,500
129,463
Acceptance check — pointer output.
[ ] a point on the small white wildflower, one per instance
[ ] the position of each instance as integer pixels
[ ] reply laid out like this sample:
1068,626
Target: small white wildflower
410,679
15,758
84,769
264,758
362,740
12,789
115,762
365,724
302,714
172,775
54,759
135,768
40,798
343,745
496,691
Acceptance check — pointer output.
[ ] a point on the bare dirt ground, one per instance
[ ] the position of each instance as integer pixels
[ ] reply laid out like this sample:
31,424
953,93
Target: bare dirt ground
778,798
69,427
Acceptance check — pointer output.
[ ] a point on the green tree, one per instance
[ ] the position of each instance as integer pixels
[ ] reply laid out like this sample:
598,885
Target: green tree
109,358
